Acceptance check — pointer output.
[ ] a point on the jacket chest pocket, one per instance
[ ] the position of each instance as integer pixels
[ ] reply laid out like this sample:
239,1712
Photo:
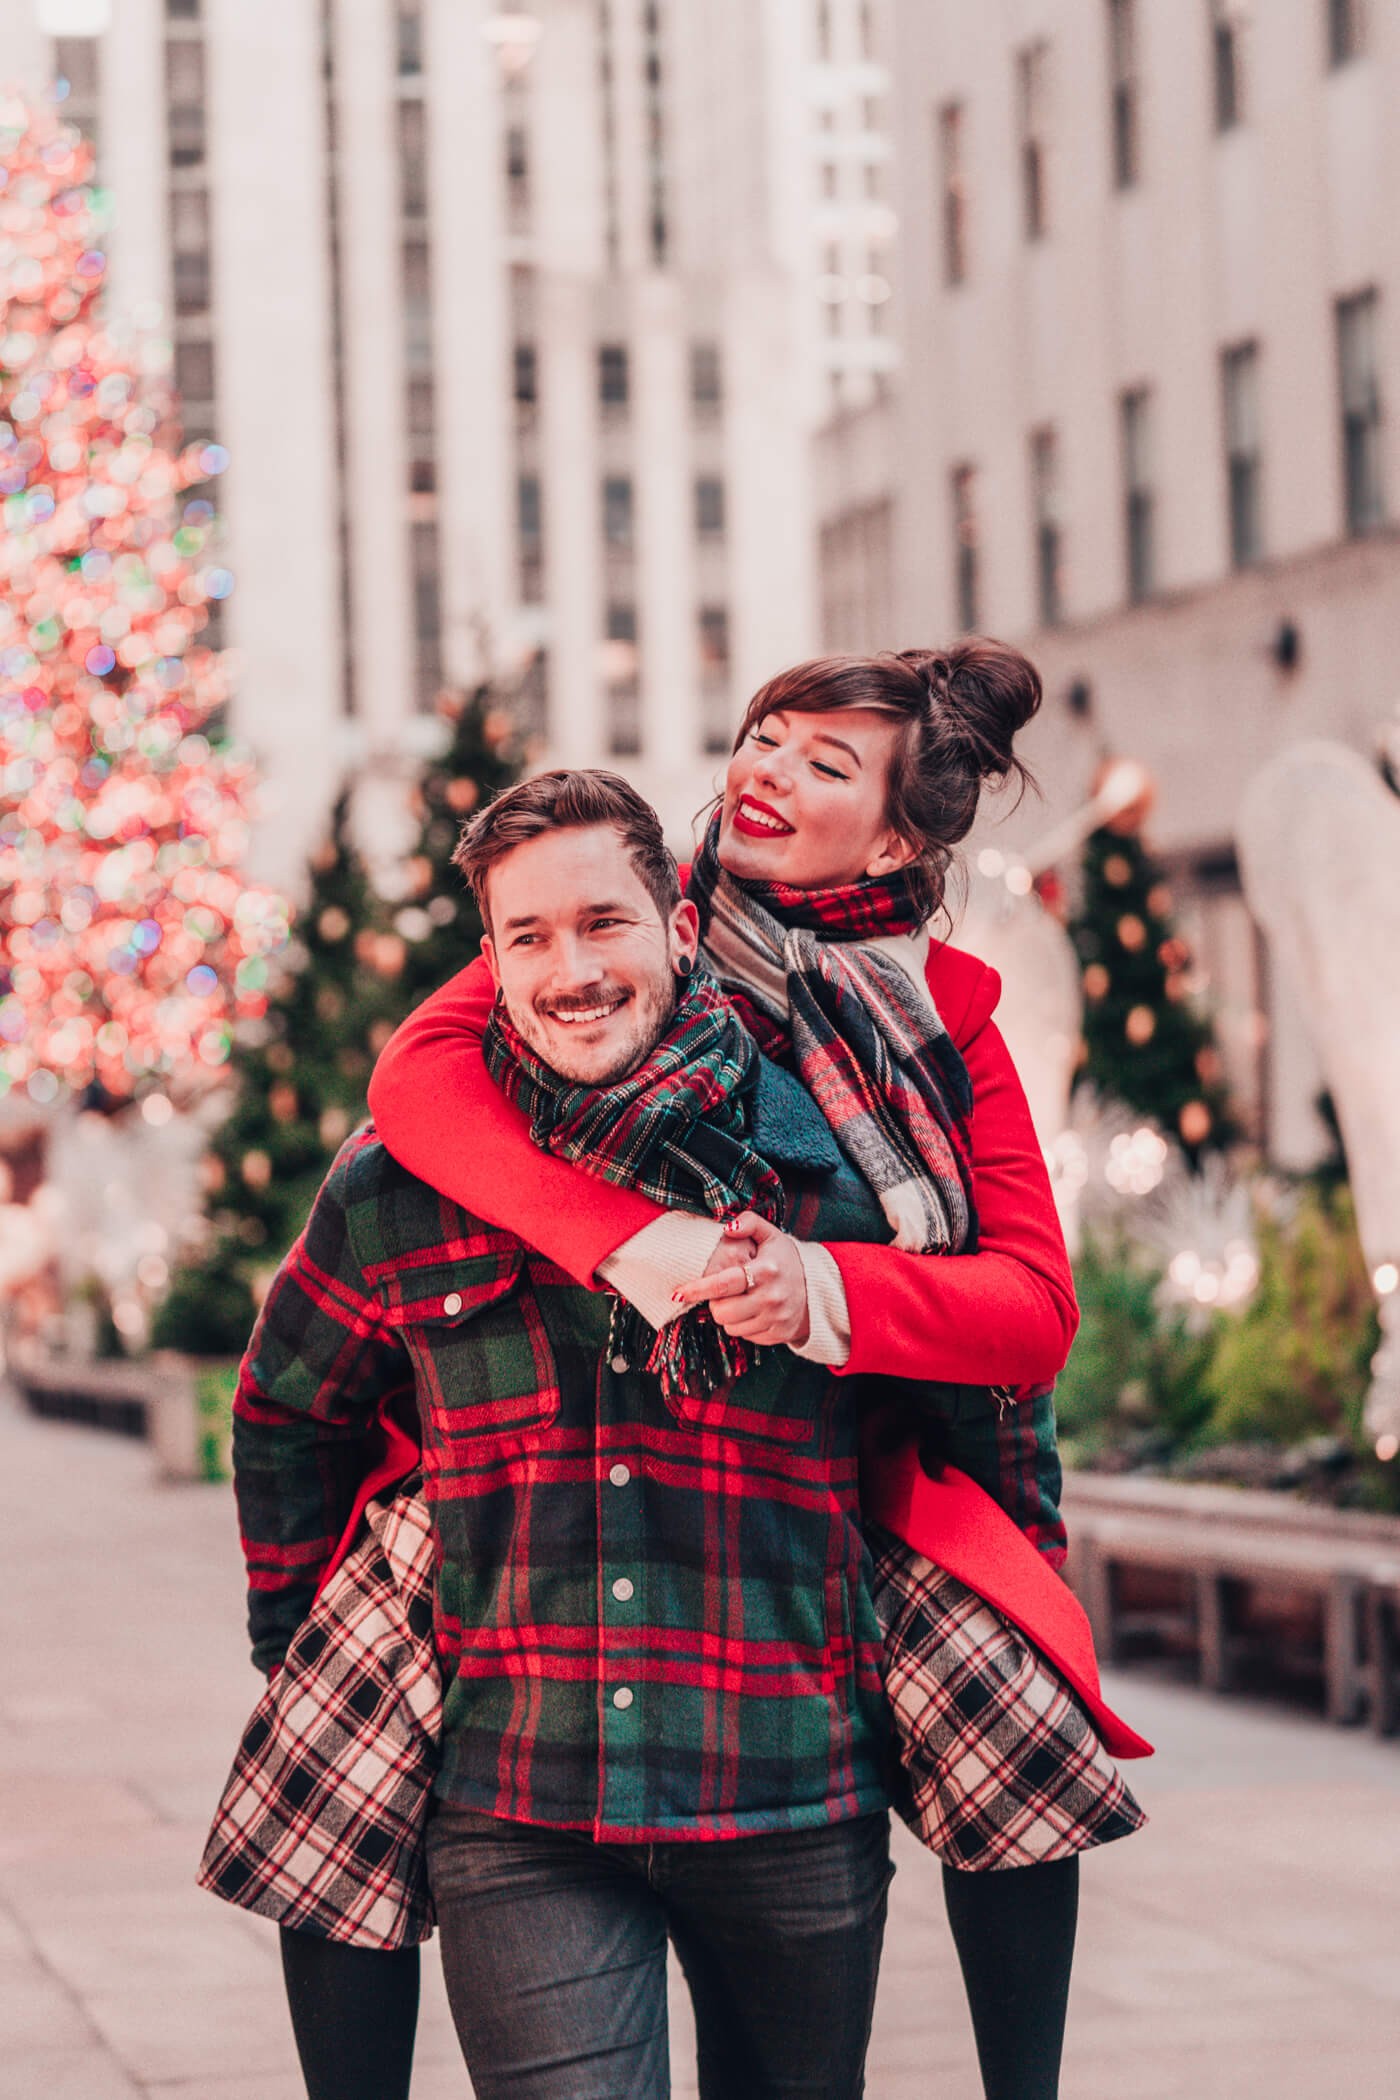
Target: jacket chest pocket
481,1356
779,1401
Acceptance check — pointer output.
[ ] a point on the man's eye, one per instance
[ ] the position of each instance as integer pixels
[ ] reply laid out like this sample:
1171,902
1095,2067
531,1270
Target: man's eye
524,940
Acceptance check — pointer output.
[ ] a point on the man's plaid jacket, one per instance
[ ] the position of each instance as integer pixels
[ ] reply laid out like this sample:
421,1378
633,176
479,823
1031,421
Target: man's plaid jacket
654,1619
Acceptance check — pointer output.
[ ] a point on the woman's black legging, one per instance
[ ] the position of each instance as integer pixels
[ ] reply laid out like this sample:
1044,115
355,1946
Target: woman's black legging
1014,1932
355,2011
354,2014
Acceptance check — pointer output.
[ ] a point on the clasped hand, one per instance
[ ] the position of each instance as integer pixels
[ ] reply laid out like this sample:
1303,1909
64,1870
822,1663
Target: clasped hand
754,1284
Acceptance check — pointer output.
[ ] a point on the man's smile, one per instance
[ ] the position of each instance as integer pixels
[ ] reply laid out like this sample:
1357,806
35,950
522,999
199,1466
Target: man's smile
583,1016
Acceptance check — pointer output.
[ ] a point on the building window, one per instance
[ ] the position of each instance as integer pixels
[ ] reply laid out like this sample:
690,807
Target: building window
517,169
1225,34
194,372
612,375
954,188
1240,379
1358,369
831,178
182,10
75,60
655,107
1122,63
624,715
706,383
1135,409
410,39
413,156
531,709
709,507
189,243
1346,31
716,730
531,537
422,424
824,30
1045,501
617,510
427,611
184,94
417,305
856,567
1032,90
965,578
526,375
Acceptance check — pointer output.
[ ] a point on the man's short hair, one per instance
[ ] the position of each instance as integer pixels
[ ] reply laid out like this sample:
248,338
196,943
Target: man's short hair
569,799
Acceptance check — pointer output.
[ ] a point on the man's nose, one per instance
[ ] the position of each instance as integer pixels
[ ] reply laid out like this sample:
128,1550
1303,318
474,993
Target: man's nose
576,963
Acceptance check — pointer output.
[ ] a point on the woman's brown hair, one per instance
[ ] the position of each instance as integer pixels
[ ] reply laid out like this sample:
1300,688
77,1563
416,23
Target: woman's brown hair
960,709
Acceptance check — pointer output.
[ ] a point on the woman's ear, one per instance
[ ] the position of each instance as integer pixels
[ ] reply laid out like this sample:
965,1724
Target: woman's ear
891,853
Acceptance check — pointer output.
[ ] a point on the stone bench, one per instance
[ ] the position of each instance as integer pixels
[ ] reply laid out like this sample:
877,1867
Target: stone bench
1220,1538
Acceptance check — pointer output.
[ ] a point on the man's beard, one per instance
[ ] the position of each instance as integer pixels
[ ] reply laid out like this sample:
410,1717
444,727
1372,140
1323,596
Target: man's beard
630,1038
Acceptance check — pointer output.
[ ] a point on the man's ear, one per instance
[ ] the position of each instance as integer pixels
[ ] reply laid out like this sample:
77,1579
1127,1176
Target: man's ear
488,949
684,934
891,852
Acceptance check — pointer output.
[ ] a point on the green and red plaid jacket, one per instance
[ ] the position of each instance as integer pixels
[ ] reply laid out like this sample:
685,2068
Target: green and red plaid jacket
654,1618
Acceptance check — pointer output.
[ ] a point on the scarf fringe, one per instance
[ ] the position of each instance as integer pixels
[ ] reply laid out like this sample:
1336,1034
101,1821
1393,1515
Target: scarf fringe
689,1355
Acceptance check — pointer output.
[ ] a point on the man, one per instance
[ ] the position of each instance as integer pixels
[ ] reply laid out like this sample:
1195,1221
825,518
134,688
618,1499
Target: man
662,1707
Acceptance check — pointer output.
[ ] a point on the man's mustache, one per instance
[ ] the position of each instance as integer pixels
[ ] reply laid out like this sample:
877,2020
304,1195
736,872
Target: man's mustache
584,1002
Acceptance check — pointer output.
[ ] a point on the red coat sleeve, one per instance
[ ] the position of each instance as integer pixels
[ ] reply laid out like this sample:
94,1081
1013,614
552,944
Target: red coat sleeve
1007,1314
443,1117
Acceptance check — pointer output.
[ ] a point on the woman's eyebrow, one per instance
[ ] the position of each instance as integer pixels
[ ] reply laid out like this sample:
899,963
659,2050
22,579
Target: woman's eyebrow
820,737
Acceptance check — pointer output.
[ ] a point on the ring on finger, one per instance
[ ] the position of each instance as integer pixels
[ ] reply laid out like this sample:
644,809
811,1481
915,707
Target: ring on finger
748,1277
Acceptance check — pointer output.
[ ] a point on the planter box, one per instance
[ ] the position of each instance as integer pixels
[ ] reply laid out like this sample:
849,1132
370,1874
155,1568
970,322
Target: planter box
179,1404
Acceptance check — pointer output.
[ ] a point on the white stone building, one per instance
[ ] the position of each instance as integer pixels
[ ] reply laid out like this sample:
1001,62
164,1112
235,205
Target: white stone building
1148,283
516,323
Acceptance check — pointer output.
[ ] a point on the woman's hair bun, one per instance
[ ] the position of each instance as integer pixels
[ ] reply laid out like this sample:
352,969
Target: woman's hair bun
981,693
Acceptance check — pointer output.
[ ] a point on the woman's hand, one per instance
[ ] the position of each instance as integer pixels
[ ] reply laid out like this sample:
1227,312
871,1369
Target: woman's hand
754,1284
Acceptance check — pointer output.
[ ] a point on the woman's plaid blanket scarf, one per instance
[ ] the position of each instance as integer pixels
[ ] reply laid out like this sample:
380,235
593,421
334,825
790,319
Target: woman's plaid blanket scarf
867,1041
677,1129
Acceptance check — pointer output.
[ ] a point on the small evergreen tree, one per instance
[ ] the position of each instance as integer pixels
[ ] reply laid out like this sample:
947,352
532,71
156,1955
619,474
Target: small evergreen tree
439,923
1147,1044
301,1082
300,1076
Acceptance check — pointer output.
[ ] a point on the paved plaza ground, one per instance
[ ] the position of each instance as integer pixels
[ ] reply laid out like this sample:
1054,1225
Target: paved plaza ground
1244,1947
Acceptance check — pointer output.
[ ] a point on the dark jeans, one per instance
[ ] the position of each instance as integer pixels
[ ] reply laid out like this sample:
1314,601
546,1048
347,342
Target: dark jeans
554,1953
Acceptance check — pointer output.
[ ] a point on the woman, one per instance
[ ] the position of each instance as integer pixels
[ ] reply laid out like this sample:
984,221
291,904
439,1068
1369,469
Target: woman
851,782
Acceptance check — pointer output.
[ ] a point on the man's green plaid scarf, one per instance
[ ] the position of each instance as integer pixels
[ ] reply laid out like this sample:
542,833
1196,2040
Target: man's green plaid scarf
677,1129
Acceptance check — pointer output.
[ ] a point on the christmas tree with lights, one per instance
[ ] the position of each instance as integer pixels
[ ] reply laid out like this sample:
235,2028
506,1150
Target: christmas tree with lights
130,944
438,922
1147,1045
